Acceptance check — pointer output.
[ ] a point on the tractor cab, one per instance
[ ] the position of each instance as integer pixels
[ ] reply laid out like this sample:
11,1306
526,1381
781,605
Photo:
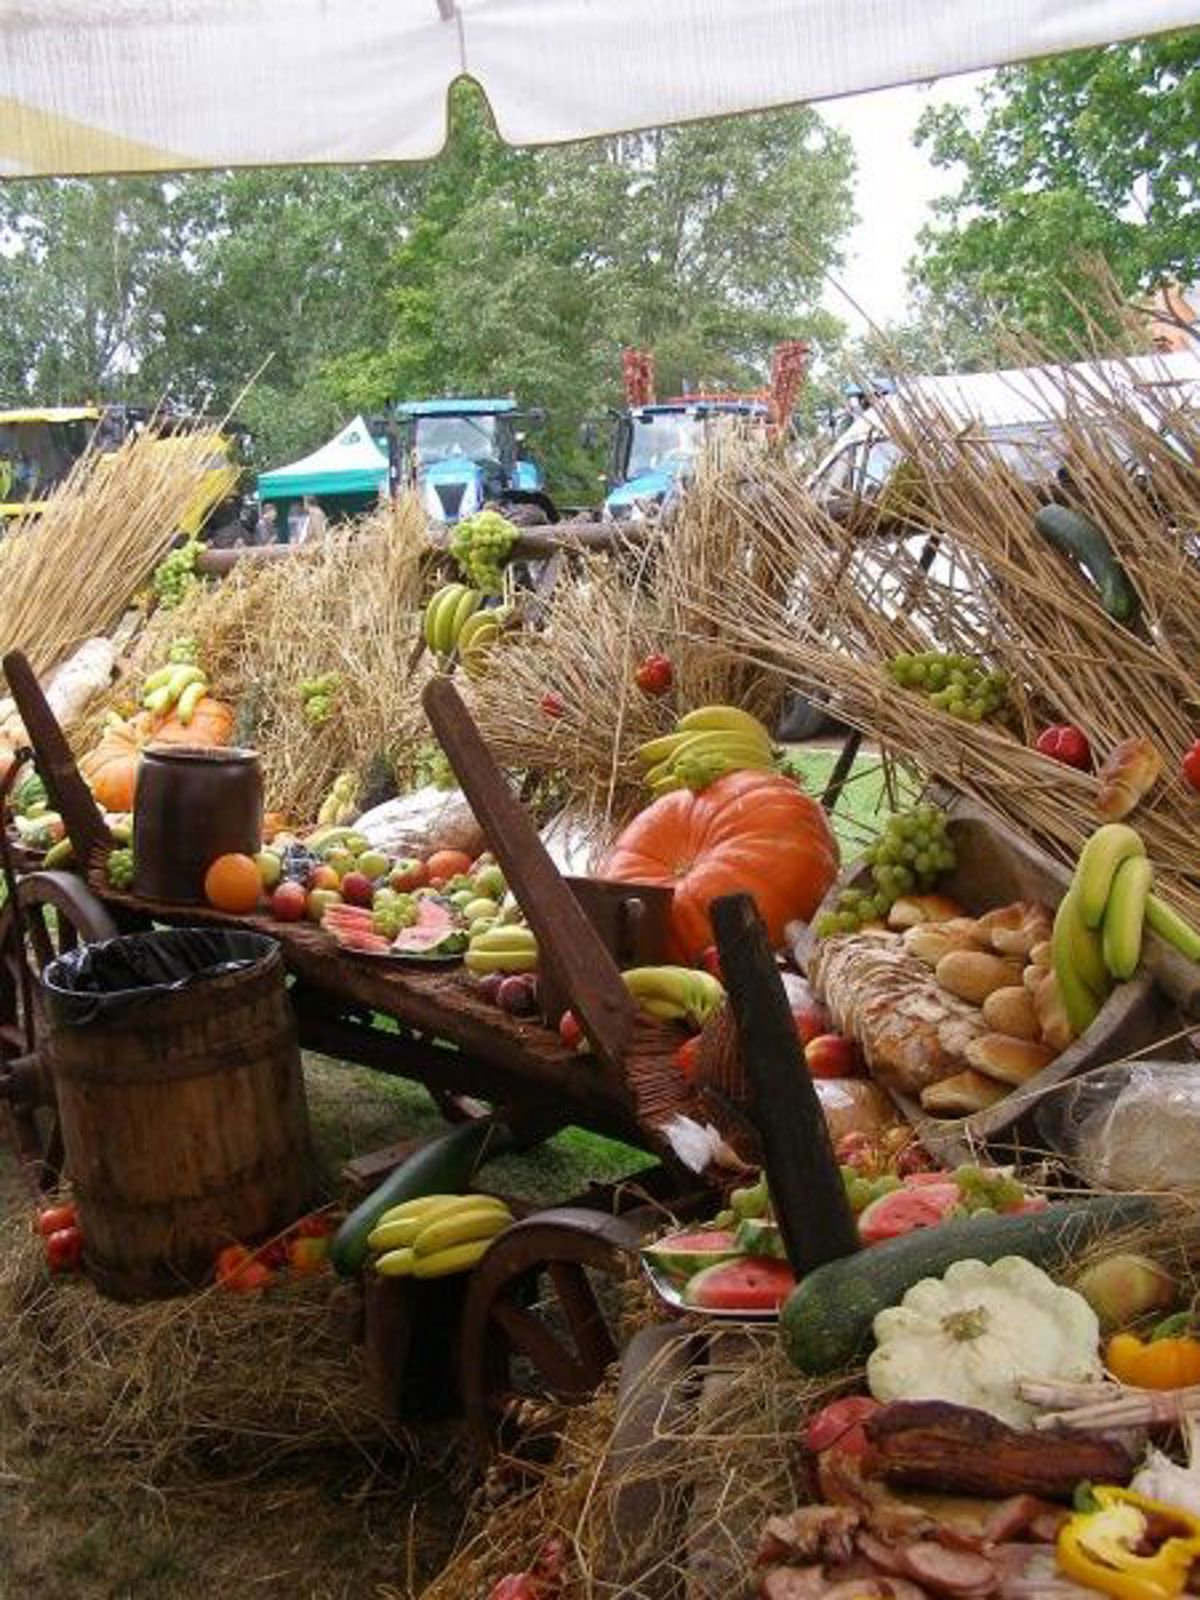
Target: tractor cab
656,444
462,454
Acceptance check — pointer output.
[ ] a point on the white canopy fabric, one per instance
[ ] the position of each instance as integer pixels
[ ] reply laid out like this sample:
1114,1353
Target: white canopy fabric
351,463
135,85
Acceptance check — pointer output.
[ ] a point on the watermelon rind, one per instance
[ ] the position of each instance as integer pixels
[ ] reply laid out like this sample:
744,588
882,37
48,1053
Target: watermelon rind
758,1237
704,1290
680,1255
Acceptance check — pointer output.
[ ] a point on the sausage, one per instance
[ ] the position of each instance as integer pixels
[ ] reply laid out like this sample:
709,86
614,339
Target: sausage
949,1572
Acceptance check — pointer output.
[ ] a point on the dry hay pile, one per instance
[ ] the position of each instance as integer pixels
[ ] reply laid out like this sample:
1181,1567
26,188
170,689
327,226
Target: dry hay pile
604,617
69,572
347,603
167,1387
841,601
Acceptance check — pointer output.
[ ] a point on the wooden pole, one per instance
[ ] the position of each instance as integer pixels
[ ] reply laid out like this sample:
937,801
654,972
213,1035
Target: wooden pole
807,1192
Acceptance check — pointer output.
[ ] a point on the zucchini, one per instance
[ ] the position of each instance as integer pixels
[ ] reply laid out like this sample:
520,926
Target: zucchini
1082,541
826,1323
443,1166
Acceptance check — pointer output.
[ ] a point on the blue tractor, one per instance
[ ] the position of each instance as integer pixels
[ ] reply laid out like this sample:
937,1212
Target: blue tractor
656,443
462,454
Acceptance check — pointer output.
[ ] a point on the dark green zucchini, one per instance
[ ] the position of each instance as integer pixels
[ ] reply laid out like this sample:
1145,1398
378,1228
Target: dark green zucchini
826,1323
1080,540
443,1166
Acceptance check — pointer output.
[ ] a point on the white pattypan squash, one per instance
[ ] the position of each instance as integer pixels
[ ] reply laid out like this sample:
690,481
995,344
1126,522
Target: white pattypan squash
971,1336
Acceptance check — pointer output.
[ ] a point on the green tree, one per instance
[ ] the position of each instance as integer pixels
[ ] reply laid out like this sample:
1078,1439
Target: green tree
1078,180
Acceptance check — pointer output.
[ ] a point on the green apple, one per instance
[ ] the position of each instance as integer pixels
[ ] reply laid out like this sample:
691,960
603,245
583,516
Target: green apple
270,868
373,864
480,925
341,860
474,909
489,881
462,898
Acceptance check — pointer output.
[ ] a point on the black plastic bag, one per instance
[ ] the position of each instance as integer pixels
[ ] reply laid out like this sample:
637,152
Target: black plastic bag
99,980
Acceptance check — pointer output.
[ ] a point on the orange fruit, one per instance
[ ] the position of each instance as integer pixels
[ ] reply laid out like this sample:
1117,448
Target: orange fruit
232,883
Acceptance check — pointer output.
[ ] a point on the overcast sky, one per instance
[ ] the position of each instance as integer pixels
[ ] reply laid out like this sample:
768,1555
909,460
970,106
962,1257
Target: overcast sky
893,190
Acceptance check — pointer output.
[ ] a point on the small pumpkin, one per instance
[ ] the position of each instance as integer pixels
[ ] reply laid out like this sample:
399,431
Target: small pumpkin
211,725
112,767
750,832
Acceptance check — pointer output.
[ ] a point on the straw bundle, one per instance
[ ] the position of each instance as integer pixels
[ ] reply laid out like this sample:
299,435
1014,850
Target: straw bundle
842,602
604,618
156,1388
68,572
348,603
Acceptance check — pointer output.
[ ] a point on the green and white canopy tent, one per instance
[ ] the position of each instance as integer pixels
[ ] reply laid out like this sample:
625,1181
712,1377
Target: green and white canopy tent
352,463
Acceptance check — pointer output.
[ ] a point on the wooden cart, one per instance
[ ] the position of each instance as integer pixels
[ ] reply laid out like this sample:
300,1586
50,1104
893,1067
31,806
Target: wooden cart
440,1032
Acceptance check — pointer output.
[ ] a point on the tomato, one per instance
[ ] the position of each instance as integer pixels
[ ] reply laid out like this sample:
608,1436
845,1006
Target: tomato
307,1256
273,1254
1067,744
1191,765
687,1058
315,1226
839,1426
655,675
64,1249
55,1218
553,704
240,1272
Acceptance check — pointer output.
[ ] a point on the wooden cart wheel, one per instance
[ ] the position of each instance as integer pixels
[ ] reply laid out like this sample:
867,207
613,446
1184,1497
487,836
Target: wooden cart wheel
539,1316
55,912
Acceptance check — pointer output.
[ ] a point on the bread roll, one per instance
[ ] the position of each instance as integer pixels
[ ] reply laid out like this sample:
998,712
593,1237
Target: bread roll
911,910
1012,1061
1014,930
1128,772
974,974
1032,977
1041,955
1012,1011
929,942
1052,1014
960,1096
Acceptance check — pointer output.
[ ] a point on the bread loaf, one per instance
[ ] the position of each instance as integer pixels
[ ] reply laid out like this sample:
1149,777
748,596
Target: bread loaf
974,974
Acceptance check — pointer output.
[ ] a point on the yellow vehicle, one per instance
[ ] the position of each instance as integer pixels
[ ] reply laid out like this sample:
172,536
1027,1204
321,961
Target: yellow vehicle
39,445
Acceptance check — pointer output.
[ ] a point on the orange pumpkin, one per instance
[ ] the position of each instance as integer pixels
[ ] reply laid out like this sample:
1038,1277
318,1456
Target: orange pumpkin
751,832
112,767
211,724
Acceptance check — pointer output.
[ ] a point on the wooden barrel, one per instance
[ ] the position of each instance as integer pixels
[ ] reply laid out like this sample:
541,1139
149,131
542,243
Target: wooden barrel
185,1127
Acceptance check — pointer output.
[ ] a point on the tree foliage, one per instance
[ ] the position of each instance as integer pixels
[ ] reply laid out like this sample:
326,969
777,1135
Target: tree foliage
488,270
1078,173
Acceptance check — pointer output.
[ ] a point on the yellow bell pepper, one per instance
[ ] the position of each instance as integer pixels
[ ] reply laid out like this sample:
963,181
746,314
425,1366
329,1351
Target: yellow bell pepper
1172,1363
1099,1548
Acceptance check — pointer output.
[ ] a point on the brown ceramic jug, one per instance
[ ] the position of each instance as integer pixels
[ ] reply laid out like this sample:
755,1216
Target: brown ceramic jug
191,806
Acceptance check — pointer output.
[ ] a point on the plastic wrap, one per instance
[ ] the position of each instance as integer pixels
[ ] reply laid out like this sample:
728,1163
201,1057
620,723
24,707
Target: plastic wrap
1131,1126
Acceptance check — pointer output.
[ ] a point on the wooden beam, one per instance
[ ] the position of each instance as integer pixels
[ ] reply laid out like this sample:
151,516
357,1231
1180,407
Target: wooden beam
568,945
807,1192
69,795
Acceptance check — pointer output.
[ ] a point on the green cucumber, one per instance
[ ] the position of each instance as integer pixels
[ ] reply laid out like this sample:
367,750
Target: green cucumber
826,1323
443,1166
1082,541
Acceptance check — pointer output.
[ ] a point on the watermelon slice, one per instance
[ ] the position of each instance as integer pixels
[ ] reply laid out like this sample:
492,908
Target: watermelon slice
748,1283
680,1255
902,1211
756,1236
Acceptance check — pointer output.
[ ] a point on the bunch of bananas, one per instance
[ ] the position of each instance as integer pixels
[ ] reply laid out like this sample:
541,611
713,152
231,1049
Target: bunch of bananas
675,994
318,696
1099,926
477,636
446,615
341,804
504,947
436,1234
179,686
707,744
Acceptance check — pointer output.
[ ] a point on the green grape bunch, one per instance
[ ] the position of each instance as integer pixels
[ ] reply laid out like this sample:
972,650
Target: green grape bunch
175,576
959,685
481,545
394,915
119,869
909,856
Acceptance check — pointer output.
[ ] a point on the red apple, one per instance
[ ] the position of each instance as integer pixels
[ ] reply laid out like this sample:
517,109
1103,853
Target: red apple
357,889
811,1019
288,903
829,1055
408,875
553,704
655,676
